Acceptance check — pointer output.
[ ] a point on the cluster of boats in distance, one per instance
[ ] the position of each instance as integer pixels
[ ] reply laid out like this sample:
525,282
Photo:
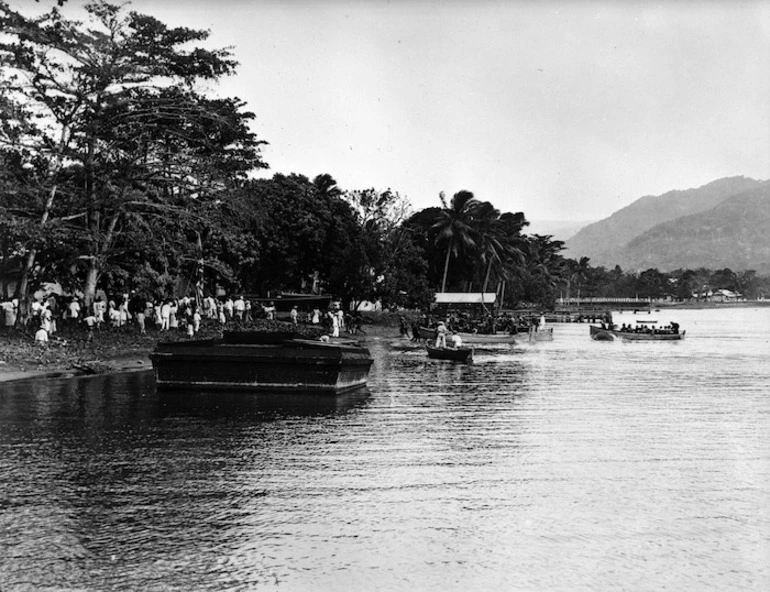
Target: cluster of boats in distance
286,362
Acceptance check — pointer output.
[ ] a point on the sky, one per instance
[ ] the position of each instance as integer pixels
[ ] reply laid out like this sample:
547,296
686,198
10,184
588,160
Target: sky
562,110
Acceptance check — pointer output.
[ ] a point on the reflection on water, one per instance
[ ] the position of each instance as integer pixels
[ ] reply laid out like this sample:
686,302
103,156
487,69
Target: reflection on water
245,407
564,465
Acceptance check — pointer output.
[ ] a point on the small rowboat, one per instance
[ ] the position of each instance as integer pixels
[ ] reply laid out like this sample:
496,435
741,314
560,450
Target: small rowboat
599,334
460,354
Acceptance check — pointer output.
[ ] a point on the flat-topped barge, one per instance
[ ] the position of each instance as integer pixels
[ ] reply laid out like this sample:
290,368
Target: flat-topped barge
262,362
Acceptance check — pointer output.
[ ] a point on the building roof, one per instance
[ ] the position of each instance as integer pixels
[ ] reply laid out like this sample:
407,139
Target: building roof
465,298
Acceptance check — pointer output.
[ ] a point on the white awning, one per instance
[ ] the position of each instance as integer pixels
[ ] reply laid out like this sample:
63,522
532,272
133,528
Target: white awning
465,298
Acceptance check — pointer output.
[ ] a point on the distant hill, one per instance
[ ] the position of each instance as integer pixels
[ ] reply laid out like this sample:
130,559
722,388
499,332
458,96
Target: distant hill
604,241
562,230
734,234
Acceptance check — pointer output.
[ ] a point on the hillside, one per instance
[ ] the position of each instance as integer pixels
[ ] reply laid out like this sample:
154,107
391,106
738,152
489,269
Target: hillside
603,240
734,234
560,229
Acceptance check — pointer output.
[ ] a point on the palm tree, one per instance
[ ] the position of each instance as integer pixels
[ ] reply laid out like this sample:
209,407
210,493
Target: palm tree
514,243
489,237
544,259
454,225
577,272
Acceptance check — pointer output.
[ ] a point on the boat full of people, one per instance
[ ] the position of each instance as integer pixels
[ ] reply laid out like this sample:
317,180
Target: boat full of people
639,332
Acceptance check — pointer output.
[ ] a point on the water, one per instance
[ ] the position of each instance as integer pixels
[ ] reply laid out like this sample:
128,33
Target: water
572,465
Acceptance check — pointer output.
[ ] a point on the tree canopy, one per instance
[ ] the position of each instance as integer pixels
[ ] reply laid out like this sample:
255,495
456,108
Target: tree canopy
118,171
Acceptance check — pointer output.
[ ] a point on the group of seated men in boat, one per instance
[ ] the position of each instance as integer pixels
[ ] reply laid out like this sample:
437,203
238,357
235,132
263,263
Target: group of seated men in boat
489,324
670,329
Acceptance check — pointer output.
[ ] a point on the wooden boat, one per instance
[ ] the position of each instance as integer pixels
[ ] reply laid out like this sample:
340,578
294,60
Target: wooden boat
426,333
487,339
600,334
460,354
261,362
473,338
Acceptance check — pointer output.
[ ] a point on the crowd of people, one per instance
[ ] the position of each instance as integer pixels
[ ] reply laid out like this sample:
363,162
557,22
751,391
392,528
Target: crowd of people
53,311
466,322
670,329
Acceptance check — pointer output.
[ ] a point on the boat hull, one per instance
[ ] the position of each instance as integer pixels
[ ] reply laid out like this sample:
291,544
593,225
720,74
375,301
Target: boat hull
599,334
487,339
295,366
474,338
461,354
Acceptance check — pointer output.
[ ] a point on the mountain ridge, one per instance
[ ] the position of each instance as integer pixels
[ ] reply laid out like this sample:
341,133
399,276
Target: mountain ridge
608,242
732,235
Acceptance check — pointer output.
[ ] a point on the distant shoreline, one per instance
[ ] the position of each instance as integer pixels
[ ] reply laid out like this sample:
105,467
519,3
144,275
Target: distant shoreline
704,305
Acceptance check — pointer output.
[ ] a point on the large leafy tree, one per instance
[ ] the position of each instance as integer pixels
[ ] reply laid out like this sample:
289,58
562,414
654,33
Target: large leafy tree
113,107
392,272
290,234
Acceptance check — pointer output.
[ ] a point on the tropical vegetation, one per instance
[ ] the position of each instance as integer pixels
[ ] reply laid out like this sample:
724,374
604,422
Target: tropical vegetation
118,172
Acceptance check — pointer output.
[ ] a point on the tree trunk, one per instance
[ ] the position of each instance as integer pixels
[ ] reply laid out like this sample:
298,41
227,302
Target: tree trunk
486,277
446,266
95,260
89,288
29,263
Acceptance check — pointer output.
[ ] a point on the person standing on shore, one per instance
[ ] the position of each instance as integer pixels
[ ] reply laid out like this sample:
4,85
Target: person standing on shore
90,322
270,311
165,316
99,308
74,309
136,306
189,317
46,319
239,307
53,306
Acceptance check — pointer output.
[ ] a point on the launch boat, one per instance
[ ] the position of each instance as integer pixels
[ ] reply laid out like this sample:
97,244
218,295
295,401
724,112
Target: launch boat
600,334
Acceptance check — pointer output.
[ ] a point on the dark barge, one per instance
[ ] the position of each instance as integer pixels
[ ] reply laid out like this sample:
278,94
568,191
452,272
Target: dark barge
261,363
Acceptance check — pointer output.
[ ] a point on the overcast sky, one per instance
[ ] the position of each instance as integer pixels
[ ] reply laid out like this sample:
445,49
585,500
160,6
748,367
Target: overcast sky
563,110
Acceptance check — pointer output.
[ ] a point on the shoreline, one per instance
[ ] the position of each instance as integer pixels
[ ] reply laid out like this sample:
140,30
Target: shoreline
131,362
109,358
709,305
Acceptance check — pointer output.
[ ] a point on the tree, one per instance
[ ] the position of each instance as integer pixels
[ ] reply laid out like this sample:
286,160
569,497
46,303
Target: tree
576,272
114,107
545,268
453,226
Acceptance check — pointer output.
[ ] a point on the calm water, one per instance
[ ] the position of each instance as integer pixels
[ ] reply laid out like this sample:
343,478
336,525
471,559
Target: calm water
571,465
